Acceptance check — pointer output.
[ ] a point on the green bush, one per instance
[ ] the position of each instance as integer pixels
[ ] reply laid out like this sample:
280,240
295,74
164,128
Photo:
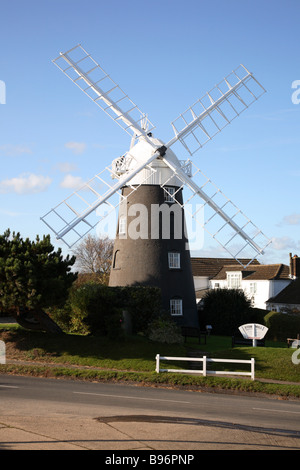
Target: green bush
282,325
98,309
225,310
256,315
164,330
63,318
143,303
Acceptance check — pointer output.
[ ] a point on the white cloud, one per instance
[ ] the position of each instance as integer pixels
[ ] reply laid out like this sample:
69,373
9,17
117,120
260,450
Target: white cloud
14,150
25,184
284,243
76,147
293,219
10,213
71,182
66,167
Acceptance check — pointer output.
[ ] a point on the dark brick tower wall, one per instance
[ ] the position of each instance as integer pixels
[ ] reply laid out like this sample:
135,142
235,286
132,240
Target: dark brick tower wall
145,260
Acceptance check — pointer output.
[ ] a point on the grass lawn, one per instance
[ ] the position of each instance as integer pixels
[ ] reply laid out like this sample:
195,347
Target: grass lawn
132,354
274,361
134,359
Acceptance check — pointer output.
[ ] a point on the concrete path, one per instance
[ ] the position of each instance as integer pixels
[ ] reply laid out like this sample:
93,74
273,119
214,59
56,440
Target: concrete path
135,432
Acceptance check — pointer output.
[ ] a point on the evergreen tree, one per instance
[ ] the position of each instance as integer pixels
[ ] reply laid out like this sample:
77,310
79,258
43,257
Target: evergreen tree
33,277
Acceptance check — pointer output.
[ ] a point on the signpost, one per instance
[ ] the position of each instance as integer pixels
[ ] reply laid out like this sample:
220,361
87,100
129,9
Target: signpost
253,331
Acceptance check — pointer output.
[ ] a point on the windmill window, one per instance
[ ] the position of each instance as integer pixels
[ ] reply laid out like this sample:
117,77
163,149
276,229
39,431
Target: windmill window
174,260
169,194
116,260
176,307
122,226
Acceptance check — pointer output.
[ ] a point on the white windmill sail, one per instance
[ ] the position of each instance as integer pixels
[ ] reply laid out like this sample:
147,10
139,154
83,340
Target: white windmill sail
216,109
89,76
75,216
218,215
223,220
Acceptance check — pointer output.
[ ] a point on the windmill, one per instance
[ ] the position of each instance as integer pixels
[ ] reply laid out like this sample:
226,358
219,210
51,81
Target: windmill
146,185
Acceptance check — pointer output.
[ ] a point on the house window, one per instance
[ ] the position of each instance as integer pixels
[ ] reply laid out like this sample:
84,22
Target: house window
174,260
234,280
122,226
169,194
217,285
176,307
253,287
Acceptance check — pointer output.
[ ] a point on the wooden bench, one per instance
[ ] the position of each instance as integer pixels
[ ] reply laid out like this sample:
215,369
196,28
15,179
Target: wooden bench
237,340
192,332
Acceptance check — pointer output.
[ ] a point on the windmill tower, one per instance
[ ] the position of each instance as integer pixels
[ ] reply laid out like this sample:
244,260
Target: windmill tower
154,191
151,245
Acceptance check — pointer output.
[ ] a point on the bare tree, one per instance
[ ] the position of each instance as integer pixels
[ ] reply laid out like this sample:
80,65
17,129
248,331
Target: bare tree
94,256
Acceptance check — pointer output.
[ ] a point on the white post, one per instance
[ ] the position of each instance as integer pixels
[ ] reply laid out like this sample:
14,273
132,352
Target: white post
254,335
204,366
2,353
252,368
157,363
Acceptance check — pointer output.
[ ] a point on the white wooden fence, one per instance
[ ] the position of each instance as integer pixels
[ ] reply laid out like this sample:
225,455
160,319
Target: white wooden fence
204,370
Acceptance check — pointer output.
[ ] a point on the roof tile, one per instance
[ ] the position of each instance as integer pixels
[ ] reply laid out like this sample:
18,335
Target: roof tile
209,267
257,272
289,295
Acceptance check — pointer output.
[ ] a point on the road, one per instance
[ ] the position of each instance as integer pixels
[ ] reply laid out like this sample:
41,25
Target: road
42,414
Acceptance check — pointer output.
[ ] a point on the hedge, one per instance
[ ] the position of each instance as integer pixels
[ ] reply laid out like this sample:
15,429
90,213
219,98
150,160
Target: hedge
282,325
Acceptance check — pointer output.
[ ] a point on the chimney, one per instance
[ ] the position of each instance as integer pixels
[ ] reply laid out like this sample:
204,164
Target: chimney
294,266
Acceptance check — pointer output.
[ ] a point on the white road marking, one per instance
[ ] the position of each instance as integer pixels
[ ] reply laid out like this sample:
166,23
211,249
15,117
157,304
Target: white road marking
8,386
277,411
132,398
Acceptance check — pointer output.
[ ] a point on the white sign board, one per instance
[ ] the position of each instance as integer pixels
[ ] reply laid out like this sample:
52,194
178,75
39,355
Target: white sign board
253,331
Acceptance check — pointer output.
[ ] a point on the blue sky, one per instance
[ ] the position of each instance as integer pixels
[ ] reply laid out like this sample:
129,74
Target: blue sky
165,54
